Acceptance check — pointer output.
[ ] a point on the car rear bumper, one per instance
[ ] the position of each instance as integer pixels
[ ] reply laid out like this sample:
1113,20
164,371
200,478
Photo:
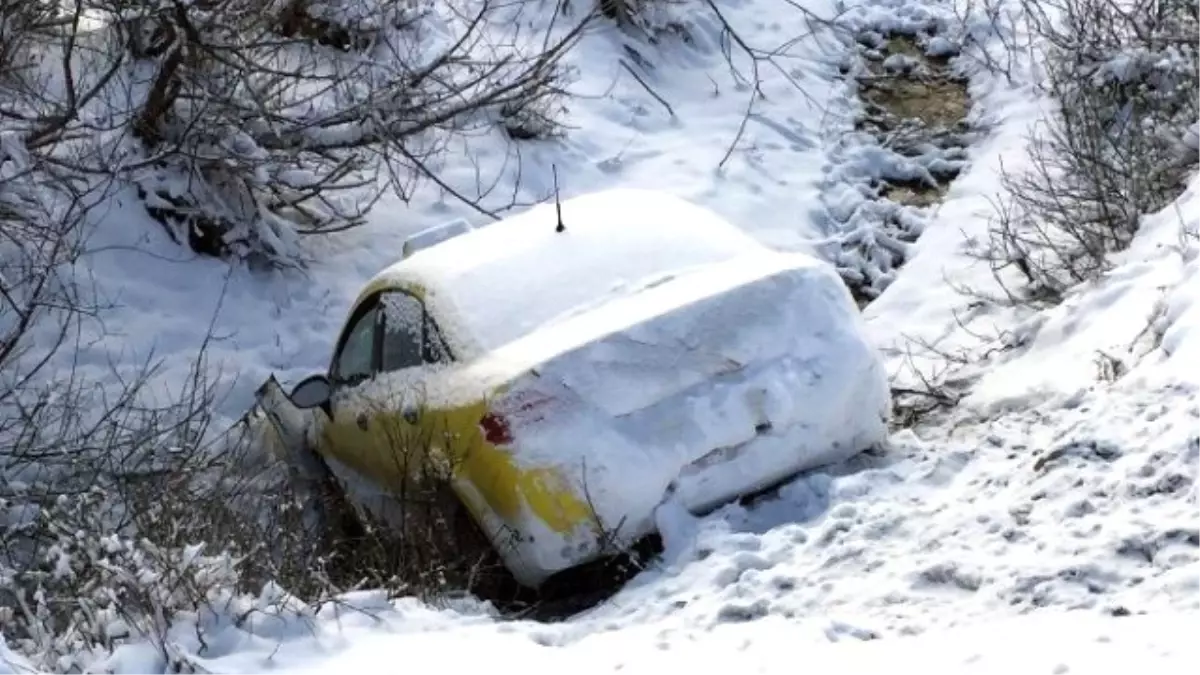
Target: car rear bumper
728,474
535,552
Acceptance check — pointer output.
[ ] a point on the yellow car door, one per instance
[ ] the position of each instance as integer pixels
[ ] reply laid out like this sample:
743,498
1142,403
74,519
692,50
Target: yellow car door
444,444
380,425
404,426
377,425
347,436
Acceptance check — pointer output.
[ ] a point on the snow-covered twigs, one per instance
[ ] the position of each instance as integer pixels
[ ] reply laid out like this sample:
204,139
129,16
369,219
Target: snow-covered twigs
1119,144
994,35
83,480
915,402
105,491
418,539
118,523
243,125
89,588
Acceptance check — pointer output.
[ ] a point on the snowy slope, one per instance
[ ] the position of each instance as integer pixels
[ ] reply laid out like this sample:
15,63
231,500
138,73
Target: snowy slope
1054,641
1049,488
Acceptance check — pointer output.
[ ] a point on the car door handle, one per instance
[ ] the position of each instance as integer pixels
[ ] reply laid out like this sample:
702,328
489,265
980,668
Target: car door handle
363,422
411,415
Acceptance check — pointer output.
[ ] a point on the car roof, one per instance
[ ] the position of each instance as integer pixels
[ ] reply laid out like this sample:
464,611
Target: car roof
502,281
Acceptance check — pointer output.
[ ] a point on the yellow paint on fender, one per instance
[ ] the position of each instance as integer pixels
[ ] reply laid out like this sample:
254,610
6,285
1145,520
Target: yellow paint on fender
394,453
397,452
503,485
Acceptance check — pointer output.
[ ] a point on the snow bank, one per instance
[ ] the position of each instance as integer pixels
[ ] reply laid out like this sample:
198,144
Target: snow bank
1055,642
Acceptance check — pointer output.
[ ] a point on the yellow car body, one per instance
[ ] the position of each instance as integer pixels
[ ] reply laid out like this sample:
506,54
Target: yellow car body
394,451
484,475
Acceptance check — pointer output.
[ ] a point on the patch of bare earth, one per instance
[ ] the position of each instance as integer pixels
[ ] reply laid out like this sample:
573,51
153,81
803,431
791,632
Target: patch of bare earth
916,106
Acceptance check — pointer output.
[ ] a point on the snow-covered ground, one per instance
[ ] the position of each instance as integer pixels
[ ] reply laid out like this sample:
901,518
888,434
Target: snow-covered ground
1047,523
1053,641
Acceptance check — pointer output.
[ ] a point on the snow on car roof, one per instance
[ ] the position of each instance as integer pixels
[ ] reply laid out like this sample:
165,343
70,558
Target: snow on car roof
504,280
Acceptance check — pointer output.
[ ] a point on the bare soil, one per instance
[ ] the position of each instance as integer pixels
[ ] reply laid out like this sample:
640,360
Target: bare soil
921,104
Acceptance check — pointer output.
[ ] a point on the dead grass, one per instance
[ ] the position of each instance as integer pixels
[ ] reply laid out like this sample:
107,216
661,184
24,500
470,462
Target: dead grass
936,101
914,193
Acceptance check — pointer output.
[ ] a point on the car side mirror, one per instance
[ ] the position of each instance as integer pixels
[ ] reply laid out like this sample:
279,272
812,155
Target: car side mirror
312,392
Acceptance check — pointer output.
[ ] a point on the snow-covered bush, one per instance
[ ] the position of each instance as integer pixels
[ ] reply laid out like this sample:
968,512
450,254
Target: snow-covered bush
108,492
119,529
636,13
86,588
1119,144
244,124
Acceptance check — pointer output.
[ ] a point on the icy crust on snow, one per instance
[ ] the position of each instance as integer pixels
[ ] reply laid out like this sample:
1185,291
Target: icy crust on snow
504,280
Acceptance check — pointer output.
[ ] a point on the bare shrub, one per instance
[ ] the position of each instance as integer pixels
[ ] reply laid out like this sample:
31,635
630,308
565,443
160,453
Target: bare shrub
121,507
243,125
112,529
1124,79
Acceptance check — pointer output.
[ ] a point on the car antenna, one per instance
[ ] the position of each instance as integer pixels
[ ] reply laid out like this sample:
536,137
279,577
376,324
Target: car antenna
557,203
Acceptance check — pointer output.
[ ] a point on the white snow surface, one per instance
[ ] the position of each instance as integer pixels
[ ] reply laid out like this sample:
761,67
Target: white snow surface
1047,524
1055,641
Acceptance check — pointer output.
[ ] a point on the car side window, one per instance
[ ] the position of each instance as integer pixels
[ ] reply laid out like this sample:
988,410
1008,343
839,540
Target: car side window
410,337
355,360
403,331
435,349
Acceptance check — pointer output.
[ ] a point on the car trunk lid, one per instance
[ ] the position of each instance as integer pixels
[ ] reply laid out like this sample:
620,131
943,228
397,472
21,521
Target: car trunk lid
738,364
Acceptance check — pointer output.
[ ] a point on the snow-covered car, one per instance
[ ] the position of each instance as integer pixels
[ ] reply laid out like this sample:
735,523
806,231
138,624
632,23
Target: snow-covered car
571,379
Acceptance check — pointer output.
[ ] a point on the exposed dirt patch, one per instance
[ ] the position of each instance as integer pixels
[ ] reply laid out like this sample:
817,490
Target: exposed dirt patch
909,142
914,193
916,105
936,103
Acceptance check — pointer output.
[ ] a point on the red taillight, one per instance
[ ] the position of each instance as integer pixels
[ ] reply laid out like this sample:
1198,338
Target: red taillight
496,429
519,409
